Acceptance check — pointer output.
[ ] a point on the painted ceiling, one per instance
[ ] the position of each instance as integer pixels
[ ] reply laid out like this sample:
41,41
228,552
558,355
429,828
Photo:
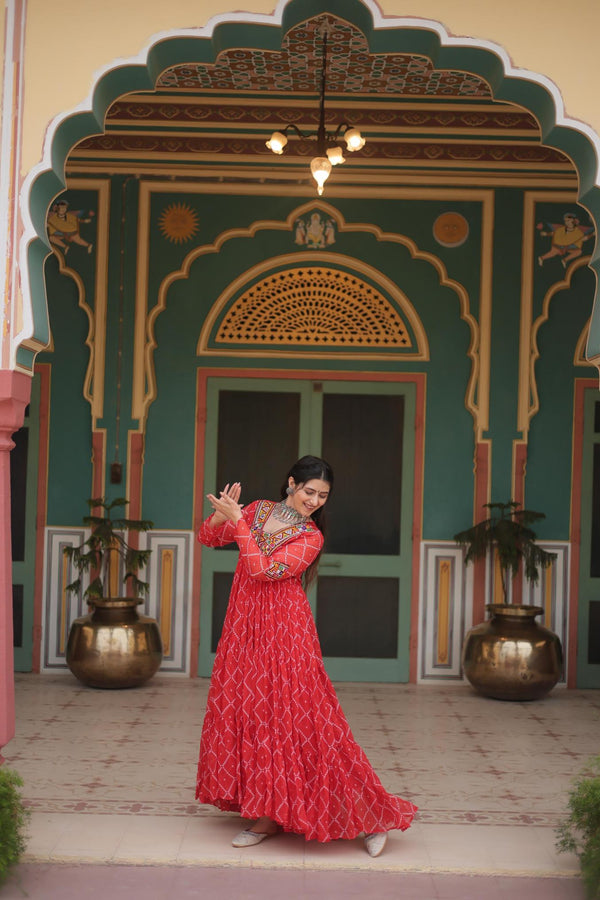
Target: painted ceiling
210,117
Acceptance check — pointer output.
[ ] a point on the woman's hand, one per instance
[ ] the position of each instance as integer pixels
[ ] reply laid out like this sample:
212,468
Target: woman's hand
226,505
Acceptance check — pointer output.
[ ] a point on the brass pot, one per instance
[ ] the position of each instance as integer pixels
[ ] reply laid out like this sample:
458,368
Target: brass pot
510,656
114,646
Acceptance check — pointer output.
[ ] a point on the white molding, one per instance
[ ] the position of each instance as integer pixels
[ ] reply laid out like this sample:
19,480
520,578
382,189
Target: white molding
181,542
460,611
56,539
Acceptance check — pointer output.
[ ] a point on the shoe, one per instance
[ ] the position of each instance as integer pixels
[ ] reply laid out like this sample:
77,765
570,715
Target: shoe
248,838
374,843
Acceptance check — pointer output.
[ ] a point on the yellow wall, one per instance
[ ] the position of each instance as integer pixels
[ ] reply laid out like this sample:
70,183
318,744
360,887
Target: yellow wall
67,41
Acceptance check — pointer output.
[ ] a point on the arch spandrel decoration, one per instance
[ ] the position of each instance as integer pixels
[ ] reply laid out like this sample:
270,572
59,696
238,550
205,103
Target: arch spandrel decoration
579,357
145,389
481,58
317,308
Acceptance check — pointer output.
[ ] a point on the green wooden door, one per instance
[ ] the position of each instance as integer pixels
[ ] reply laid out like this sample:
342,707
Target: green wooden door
588,638
23,476
256,429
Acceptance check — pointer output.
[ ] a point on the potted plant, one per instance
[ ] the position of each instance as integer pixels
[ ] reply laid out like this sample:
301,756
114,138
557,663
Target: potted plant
113,646
13,820
579,832
510,656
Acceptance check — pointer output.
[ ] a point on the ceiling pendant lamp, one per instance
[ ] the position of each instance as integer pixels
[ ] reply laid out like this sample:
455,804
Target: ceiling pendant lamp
329,151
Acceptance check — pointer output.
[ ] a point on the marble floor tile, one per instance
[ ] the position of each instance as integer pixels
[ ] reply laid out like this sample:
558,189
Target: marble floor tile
110,775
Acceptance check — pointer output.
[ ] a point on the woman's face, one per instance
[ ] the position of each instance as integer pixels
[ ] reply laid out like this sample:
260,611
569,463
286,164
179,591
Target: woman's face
308,496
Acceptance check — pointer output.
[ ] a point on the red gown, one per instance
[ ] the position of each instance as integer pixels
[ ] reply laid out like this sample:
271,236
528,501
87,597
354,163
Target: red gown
275,741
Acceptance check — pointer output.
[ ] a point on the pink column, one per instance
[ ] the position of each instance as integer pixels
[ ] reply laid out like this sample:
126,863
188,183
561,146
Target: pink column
15,390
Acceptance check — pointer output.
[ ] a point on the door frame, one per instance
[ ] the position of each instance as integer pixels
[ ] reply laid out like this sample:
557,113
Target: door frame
24,571
586,393
417,379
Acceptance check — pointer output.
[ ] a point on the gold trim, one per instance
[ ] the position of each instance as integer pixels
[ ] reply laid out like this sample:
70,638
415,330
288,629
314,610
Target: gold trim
303,186
443,613
90,340
220,99
556,288
482,384
291,165
528,400
548,593
166,597
115,574
63,605
498,591
141,300
579,357
93,383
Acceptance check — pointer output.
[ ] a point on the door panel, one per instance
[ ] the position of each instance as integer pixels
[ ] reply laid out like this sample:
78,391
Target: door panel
588,657
361,602
362,439
23,476
258,435
358,617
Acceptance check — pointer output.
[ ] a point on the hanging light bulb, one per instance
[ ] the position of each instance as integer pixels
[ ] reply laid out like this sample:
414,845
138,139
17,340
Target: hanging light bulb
320,168
277,142
329,153
335,155
354,139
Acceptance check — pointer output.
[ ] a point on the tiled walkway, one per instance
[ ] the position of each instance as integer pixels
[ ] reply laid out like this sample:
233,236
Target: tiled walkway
110,777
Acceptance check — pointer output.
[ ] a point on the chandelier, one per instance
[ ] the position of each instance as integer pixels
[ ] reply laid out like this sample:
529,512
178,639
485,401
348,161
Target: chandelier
329,150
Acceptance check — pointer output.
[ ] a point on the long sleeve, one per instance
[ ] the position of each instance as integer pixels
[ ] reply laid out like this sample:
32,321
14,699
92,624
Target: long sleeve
224,534
289,562
216,537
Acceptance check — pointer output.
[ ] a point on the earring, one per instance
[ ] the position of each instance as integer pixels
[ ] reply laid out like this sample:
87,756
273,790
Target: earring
289,490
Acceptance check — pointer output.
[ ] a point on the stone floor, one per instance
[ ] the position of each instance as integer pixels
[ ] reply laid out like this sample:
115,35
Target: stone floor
109,777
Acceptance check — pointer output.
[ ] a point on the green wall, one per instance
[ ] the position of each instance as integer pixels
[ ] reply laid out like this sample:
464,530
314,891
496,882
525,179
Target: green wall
449,435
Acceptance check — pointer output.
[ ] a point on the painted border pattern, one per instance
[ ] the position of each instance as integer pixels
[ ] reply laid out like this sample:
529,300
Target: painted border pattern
169,600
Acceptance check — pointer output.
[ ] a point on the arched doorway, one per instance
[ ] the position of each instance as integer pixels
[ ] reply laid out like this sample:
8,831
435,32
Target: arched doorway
449,131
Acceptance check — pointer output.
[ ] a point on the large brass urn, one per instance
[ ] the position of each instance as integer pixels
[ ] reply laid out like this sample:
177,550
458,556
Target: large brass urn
114,646
510,656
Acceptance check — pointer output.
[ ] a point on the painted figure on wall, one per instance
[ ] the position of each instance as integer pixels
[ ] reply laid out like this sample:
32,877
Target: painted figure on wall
567,238
315,232
300,232
63,226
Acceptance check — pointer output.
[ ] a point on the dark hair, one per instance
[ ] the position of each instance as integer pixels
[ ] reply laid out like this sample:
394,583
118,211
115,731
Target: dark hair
305,469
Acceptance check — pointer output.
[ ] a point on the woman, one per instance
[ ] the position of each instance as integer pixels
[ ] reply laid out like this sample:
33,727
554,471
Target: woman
275,744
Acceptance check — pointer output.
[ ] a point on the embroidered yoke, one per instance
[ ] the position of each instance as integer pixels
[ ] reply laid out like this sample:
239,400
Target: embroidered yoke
275,741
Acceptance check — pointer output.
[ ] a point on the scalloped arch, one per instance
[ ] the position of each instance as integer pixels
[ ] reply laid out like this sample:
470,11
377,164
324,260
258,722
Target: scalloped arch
578,359
145,390
533,91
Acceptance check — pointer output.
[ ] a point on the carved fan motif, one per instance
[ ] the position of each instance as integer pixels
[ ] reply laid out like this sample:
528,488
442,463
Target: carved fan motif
314,306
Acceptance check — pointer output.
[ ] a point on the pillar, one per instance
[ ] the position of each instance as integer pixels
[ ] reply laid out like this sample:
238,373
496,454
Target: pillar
15,390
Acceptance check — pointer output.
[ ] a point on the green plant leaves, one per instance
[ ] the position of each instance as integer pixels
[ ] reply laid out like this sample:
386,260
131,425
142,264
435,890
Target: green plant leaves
579,833
106,546
508,532
13,820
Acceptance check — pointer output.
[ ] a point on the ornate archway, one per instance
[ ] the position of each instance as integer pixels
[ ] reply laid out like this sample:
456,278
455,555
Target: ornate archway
400,54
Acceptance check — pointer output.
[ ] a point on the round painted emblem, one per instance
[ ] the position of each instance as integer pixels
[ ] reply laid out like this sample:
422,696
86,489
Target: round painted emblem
451,229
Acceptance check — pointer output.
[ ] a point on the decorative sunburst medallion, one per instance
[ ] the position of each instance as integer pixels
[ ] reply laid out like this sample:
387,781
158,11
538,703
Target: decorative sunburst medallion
178,222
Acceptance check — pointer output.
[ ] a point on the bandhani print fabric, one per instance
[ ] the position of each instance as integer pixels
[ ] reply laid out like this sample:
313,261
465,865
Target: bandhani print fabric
275,741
